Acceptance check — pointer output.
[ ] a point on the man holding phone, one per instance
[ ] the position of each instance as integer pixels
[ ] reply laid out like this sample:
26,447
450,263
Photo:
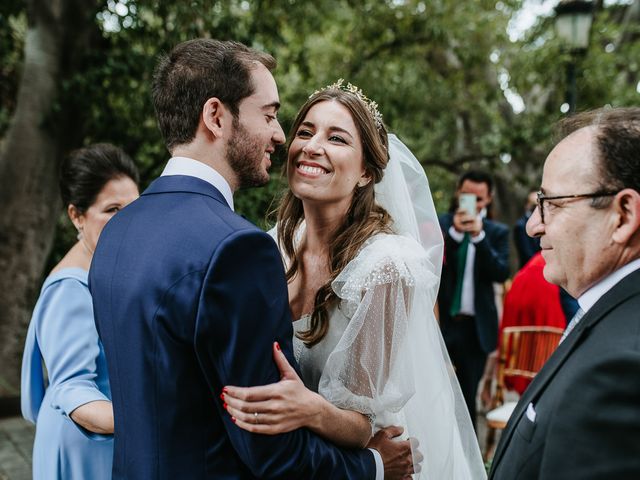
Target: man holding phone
476,256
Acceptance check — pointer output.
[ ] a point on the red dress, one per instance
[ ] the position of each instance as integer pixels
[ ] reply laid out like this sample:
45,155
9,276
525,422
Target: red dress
531,300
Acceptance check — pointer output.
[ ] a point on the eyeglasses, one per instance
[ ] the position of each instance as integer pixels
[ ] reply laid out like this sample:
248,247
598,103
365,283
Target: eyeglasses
541,198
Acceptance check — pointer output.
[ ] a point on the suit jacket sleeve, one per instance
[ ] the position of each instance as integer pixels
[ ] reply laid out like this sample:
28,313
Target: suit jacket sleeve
596,432
243,310
492,254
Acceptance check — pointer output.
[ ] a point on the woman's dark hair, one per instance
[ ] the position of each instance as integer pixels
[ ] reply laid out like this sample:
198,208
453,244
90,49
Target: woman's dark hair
85,172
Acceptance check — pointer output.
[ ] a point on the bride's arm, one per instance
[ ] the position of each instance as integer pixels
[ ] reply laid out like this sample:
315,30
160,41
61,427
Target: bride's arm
355,377
288,405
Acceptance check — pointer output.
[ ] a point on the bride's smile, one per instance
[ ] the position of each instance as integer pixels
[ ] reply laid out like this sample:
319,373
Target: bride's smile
325,157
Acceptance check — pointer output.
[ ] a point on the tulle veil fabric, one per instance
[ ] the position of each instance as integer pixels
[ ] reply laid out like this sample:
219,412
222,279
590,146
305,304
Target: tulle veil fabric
436,414
391,362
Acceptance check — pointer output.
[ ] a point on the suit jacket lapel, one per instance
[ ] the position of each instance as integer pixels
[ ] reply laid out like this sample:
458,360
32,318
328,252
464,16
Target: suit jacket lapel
626,288
184,184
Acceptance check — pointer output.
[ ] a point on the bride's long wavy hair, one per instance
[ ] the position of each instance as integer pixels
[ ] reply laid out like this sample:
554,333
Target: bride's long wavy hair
364,218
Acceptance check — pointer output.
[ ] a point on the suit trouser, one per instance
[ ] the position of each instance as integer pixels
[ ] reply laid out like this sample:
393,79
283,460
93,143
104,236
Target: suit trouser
467,357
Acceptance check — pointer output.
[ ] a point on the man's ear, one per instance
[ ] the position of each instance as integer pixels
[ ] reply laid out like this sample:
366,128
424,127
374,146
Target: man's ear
215,117
627,208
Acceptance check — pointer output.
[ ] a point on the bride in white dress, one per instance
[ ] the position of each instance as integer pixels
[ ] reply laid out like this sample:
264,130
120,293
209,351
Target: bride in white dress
363,251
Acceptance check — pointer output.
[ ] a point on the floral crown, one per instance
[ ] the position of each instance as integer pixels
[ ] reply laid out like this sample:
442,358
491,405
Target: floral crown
351,88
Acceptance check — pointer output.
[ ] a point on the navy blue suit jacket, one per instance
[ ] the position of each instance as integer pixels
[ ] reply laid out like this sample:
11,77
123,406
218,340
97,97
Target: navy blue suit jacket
188,298
491,265
586,400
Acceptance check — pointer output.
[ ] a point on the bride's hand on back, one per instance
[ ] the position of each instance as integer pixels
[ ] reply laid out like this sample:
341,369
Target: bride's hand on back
281,407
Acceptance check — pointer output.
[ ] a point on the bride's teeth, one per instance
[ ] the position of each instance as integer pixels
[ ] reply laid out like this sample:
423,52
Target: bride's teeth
310,169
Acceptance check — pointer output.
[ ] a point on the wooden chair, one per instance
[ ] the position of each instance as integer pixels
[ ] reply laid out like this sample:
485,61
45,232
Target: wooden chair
522,353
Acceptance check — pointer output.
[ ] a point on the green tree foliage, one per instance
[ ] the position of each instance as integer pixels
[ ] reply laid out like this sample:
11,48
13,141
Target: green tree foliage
437,68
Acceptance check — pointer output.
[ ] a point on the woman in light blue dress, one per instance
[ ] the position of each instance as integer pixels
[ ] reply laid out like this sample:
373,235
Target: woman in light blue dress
65,387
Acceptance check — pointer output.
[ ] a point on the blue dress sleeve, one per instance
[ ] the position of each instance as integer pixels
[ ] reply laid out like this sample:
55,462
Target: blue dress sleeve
69,343
33,385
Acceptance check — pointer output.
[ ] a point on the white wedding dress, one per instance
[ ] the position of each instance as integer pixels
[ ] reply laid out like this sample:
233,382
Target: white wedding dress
383,354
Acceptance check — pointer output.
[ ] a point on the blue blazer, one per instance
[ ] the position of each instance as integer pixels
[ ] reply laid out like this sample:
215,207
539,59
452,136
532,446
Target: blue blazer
491,265
188,298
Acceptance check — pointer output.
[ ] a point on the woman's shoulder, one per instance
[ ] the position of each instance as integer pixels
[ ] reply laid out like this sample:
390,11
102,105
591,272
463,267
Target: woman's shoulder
391,249
65,293
67,276
385,259
72,280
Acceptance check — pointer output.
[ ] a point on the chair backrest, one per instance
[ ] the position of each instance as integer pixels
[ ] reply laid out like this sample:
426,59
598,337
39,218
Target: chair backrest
526,349
523,352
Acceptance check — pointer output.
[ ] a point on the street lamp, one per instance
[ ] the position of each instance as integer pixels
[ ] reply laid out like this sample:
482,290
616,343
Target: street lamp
573,24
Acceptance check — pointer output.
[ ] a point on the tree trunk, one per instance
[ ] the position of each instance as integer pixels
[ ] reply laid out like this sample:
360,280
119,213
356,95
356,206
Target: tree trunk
33,146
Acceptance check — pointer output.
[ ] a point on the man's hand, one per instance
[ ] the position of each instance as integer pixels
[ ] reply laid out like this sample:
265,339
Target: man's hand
465,223
396,454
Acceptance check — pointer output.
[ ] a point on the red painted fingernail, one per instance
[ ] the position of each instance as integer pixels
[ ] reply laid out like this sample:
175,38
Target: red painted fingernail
233,419
224,405
225,390
277,346
222,396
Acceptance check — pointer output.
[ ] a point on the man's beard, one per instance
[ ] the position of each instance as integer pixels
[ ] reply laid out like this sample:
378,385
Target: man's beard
244,154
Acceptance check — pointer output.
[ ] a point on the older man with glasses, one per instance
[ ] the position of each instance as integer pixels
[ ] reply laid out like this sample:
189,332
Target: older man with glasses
580,417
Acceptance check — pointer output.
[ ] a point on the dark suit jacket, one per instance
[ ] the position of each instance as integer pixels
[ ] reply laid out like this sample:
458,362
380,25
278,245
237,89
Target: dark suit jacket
526,246
188,297
586,399
491,265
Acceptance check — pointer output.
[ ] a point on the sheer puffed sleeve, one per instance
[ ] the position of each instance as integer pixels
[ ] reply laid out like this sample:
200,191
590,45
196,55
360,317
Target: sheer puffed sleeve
369,370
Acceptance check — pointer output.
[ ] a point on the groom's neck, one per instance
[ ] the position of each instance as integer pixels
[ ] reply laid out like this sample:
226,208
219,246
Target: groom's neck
211,154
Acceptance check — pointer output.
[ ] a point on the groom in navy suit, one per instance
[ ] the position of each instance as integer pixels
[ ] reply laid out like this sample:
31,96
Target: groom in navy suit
189,296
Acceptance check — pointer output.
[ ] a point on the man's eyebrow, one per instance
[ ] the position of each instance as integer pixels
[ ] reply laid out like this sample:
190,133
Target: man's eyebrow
274,105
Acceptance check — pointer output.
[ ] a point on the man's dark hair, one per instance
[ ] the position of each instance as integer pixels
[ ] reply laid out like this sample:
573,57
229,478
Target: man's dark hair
476,176
196,71
85,172
617,141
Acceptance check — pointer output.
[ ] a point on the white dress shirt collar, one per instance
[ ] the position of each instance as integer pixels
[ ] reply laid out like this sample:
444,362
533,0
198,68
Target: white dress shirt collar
591,296
195,168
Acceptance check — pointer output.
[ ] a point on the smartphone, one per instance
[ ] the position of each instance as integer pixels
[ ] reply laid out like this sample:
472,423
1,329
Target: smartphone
467,201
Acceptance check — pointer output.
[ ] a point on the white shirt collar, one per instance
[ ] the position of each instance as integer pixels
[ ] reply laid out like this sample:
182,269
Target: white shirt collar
591,296
195,168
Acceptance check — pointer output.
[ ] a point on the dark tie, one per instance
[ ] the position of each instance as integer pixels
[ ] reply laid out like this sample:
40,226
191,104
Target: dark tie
461,260
572,324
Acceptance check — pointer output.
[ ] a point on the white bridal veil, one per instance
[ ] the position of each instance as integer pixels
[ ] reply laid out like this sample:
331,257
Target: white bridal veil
436,414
